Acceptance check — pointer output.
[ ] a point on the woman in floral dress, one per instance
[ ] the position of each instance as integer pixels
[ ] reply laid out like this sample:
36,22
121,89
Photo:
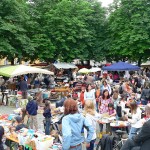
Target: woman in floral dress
105,99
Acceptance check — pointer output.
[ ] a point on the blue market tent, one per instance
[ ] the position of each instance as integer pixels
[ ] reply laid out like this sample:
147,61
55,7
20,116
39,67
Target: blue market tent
121,66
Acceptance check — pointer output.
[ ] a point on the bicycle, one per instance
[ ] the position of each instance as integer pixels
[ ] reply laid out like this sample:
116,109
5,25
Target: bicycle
55,125
118,141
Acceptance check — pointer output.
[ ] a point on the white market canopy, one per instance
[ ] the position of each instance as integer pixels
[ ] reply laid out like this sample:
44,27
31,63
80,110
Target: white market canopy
95,69
146,63
64,66
17,70
84,70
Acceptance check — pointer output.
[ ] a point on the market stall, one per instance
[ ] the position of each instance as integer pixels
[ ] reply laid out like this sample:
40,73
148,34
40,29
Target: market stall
17,70
64,65
28,138
121,66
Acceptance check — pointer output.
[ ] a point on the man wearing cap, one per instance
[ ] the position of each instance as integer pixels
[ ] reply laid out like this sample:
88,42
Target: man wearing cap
20,124
18,127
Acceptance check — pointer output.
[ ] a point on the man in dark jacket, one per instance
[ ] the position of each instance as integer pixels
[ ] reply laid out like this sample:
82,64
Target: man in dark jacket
23,87
145,95
107,142
143,135
31,109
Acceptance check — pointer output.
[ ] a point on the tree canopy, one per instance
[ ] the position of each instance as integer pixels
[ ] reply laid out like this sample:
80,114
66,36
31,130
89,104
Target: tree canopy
129,29
49,30
14,40
68,29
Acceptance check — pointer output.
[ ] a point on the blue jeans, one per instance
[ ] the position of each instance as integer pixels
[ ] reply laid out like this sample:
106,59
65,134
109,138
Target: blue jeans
77,148
108,128
97,106
91,145
133,132
47,126
144,102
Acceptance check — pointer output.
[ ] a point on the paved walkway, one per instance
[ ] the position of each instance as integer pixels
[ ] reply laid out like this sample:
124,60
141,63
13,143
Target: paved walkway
9,110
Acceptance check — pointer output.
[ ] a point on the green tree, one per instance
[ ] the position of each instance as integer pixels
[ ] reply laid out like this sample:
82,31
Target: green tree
68,29
129,30
97,25
14,42
37,30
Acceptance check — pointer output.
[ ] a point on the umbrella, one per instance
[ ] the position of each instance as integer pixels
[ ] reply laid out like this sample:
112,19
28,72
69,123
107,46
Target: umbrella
84,70
121,66
95,69
11,71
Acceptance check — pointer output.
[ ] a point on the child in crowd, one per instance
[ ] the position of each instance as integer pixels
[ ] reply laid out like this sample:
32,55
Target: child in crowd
111,110
47,115
19,123
24,116
18,126
112,113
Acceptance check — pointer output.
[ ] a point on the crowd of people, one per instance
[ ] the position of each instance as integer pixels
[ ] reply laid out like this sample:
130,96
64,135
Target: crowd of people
106,97
111,94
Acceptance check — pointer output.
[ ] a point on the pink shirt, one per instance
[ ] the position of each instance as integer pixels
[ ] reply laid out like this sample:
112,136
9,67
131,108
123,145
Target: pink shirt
104,105
111,111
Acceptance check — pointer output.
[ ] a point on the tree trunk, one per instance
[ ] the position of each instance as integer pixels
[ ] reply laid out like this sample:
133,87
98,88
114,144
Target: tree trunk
20,60
88,62
12,61
139,61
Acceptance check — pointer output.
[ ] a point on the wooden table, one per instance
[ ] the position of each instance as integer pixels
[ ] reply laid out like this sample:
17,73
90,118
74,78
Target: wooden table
15,140
119,124
11,138
64,90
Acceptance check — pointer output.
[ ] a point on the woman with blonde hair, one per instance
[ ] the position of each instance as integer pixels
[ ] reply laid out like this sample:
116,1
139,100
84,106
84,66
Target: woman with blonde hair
92,117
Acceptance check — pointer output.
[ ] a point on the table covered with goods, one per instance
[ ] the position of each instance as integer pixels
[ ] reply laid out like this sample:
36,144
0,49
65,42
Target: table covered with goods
27,138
